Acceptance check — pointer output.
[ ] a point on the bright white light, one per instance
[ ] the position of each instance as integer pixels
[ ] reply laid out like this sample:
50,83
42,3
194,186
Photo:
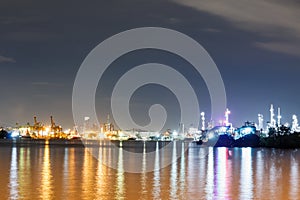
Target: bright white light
247,130
67,131
210,135
223,129
15,134
227,112
175,133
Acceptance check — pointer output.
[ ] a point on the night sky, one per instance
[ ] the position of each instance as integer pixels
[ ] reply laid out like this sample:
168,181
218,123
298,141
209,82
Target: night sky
255,44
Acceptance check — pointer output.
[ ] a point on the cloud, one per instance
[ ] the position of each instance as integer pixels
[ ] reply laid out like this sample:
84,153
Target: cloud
174,20
30,36
6,59
211,30
287,48
46,84
40,83
40,95
21,20
272,19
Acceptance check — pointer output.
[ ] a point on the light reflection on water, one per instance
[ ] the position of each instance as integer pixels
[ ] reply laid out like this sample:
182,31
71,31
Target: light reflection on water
144,175
222,173
46,172
13,178
259,175
173,174
273,179
120,177
46,191
87,175
210,175
294,178
156,180
246,176
182,174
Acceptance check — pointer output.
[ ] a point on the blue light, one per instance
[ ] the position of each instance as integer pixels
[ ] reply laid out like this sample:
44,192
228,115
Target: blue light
15,134
247,130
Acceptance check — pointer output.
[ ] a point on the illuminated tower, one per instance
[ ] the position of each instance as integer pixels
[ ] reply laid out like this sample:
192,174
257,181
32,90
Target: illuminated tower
227,112
108,126
272,120
260,122
52,123
203,120
278,117
181,129
294,123
86,124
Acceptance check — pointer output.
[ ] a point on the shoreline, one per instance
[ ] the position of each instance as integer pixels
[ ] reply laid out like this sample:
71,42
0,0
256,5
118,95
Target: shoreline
279,142
81,143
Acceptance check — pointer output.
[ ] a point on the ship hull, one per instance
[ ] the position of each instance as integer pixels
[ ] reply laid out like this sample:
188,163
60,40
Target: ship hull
225,140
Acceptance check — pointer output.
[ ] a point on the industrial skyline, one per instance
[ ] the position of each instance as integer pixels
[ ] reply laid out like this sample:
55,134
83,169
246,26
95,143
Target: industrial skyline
43,46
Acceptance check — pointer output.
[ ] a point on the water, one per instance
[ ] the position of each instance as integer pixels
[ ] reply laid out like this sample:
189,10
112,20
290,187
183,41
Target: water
46,172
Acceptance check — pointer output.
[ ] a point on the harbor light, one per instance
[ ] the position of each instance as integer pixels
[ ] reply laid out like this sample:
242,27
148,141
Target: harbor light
247,130
175,134
203,120
47,129
210,135
227,113
15,133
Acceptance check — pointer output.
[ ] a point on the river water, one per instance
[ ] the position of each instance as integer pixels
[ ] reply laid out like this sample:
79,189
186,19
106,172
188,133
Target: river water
56,172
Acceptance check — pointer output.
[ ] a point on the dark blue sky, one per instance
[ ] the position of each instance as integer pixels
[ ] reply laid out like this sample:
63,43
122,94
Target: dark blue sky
255,44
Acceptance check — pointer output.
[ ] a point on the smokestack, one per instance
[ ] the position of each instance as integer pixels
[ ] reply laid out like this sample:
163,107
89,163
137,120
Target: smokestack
52,121
278,117
272,120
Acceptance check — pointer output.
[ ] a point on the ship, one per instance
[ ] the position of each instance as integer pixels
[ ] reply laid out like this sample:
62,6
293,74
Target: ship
226,136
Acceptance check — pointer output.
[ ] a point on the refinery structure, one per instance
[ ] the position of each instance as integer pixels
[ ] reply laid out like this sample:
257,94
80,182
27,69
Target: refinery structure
275,125
206,130
39,130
